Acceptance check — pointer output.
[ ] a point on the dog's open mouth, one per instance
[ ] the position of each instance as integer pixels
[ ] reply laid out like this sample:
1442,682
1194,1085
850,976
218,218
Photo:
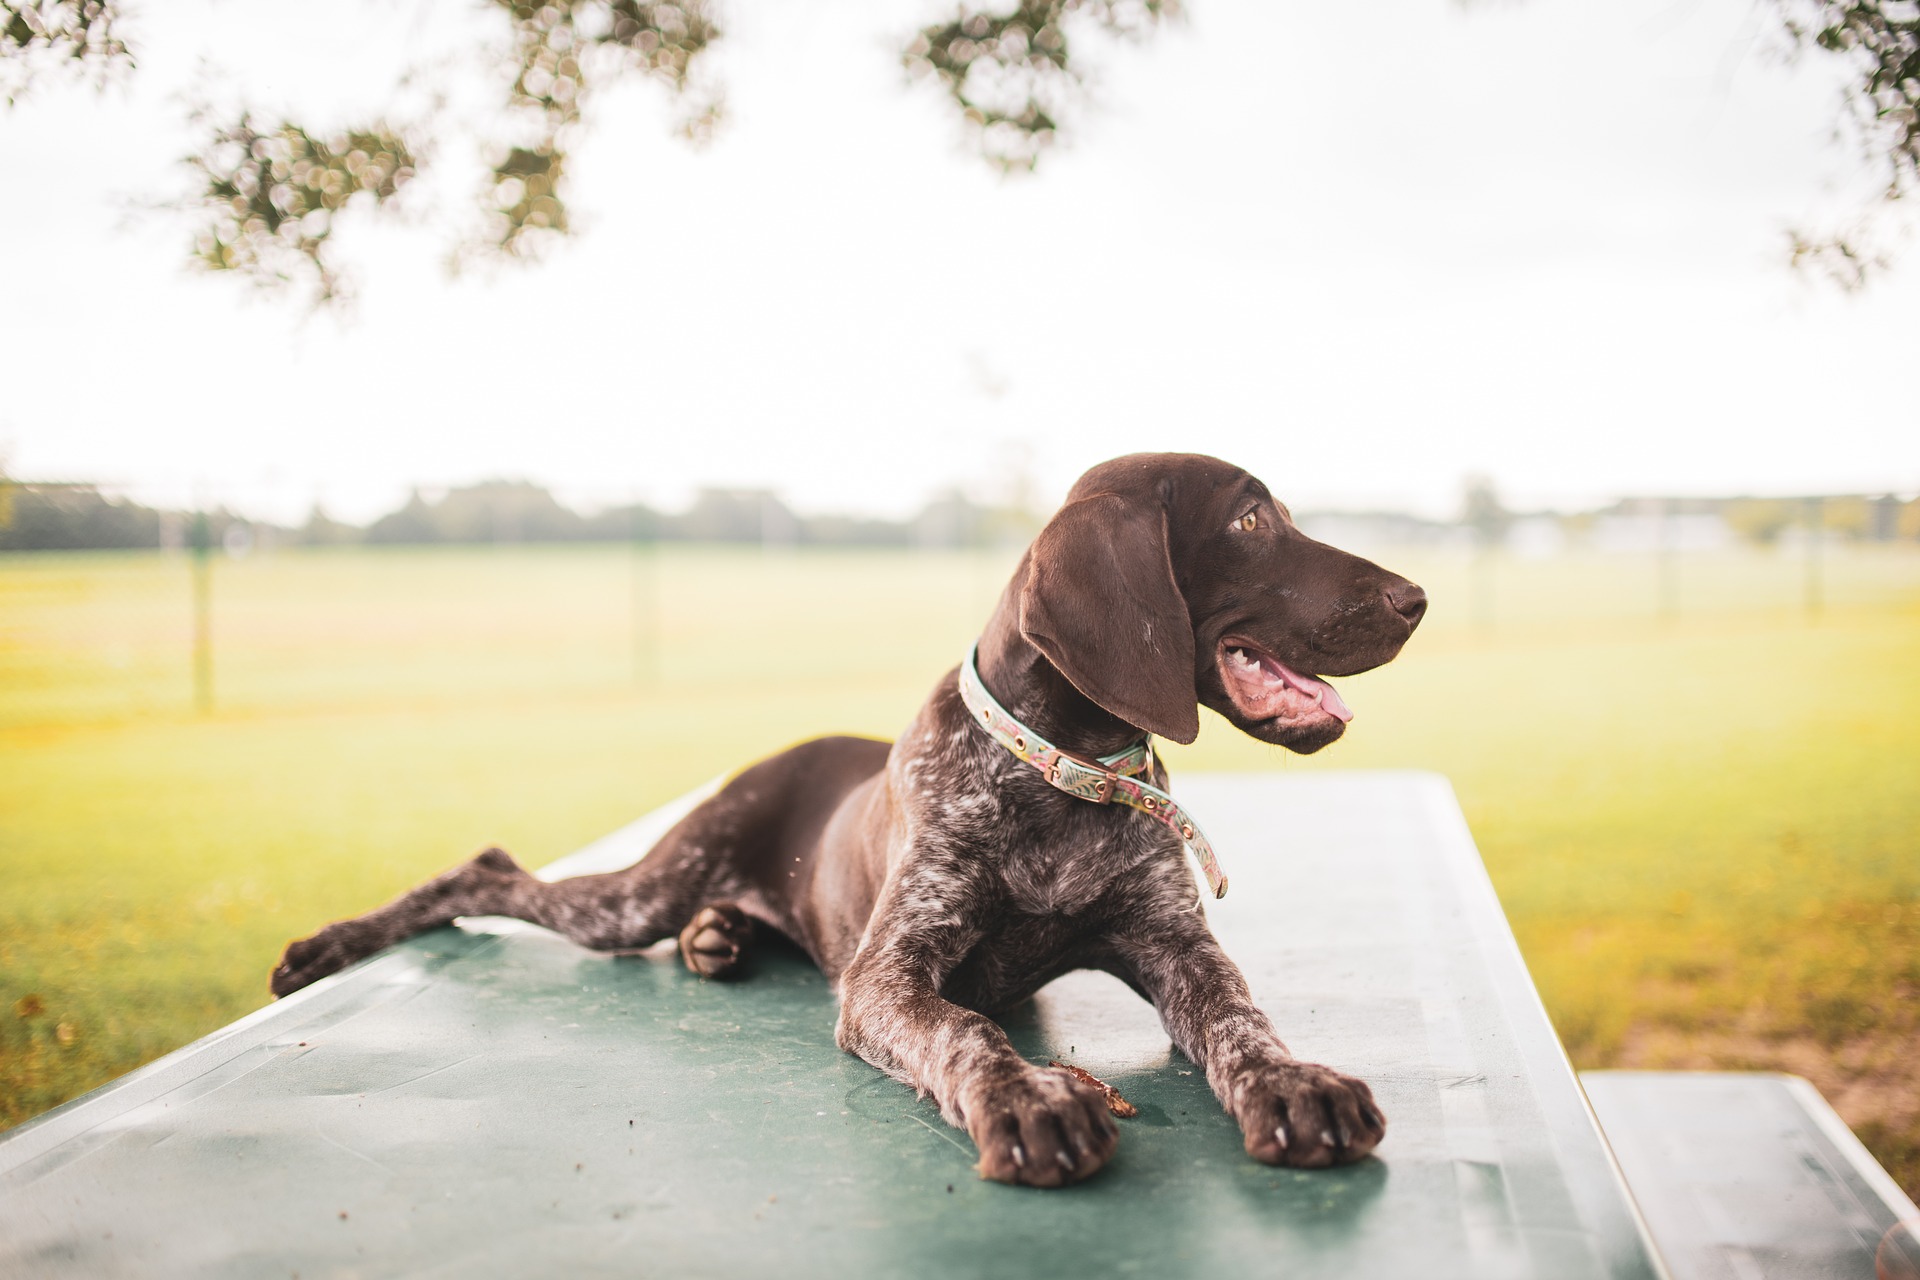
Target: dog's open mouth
1265,688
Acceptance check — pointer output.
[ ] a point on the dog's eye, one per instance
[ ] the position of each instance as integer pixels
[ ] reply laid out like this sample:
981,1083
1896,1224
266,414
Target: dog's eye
1249,522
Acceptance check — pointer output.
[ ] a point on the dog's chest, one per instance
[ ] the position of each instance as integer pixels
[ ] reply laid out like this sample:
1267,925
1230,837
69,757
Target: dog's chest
1017,956
1066,855
1051,879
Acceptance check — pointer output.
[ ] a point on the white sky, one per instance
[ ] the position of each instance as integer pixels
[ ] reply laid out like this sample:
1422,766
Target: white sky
1362,252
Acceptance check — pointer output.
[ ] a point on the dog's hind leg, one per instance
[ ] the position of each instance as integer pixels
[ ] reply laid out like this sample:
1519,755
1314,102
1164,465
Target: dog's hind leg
623,910
752,842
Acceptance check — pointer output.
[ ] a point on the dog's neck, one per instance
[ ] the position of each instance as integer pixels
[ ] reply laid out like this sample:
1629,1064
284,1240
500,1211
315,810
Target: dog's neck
1037,693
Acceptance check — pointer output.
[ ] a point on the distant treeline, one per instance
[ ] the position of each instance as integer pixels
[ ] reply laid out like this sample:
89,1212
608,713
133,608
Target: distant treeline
37,517
49,517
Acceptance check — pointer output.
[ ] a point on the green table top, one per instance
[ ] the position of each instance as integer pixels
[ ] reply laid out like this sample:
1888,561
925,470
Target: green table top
492,1100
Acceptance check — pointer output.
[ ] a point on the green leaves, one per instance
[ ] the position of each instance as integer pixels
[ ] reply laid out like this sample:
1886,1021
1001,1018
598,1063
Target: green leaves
270,196
1880,39
57,36
1010,73
563,51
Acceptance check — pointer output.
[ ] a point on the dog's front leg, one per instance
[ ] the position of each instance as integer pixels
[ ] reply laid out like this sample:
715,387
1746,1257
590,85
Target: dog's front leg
1290,1112
1032,1125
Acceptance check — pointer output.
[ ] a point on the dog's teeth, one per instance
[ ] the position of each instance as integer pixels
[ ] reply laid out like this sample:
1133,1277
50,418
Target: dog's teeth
1019,1156
1280,1136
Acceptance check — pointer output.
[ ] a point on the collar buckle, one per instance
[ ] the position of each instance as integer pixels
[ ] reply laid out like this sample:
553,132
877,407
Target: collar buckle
1082,778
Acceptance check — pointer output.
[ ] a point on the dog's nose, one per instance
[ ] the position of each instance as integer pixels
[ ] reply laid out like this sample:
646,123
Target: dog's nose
1408,600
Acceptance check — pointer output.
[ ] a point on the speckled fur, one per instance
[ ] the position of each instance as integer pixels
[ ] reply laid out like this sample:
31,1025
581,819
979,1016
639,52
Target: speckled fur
941,880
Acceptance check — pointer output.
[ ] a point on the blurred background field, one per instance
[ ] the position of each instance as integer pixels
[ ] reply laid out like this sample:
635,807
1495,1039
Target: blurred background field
1697,795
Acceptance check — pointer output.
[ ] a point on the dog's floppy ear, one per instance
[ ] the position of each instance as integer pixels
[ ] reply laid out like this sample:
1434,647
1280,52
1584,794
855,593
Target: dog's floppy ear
1101,603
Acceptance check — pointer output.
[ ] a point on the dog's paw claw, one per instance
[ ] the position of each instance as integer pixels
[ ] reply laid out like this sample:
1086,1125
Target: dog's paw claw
1307,1116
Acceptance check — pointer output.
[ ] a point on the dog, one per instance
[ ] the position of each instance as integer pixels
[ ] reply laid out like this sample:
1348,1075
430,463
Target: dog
1019,828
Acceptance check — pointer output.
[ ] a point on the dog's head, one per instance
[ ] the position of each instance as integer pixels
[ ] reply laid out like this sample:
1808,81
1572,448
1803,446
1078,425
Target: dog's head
1173,579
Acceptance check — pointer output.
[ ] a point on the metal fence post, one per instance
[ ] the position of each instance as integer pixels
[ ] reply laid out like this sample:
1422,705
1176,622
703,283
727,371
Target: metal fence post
645,600
200,538
1816,588
1668,561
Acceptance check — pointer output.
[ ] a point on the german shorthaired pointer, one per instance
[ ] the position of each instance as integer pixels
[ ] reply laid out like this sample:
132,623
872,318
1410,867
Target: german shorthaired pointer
943,878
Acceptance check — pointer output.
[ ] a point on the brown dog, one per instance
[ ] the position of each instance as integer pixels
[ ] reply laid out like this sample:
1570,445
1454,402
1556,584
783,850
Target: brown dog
942,879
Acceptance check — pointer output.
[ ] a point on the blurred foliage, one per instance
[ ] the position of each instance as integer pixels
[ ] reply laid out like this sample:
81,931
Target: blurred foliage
36,518
1009,70
1010,73
1761,520
1880,41
562,51
78,517
1482,511
269,197
58,36
1851,516
493,511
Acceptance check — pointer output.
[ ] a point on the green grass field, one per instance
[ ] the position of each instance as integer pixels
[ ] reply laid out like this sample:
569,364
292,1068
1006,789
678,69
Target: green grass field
1703,826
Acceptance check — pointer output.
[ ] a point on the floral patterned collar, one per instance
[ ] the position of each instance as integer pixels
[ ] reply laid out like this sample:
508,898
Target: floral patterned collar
1111,778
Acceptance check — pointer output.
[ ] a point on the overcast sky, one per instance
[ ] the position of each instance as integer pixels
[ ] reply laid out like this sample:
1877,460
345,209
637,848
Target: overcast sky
1363,252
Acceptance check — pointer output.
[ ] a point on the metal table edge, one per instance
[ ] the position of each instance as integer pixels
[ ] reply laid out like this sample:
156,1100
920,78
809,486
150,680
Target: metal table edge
1824,1118
70,1119
1450,819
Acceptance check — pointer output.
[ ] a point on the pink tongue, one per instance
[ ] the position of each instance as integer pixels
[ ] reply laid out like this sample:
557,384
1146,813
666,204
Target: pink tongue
1330,700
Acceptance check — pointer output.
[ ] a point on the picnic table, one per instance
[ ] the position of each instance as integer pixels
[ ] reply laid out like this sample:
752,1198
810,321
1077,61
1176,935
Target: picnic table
493,1100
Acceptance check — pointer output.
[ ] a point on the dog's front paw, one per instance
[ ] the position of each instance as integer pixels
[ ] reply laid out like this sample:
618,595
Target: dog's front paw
1041,1129
1307,1116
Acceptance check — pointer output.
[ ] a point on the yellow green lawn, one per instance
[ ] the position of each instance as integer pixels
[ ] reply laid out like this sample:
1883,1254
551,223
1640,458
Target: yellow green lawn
1703,826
